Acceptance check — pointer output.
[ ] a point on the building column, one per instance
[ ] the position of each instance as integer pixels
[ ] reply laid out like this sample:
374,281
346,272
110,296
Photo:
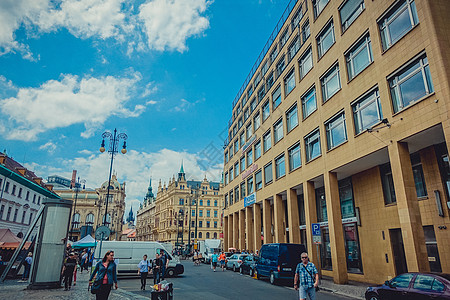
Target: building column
225,233
236,230
337,244
311,217
293,217
230,231
257,226
267,221
408,208
242,236
279,224
250,228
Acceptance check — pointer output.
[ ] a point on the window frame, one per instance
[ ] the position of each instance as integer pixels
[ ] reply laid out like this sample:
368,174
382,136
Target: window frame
326,78
280,169
308,53
363,102
277,127
336,122
291,152
288,80
268,134
345,24
321,37
307,138
290,117
364,43
268,166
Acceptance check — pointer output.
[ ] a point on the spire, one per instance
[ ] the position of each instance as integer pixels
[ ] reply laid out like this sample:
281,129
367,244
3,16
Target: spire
181,175
182,169
130,218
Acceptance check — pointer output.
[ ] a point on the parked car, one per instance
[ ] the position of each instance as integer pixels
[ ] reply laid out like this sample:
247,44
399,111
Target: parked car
234,261
279,261
414,286
248,265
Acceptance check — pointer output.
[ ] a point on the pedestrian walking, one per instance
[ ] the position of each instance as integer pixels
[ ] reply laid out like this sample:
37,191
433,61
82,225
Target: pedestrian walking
68,270
84,261
27,266
165,263
104,276
214,259
306,279
156,269
143,271
222,260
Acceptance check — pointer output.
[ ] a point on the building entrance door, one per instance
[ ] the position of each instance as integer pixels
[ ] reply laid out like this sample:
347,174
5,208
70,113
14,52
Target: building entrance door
398,250
432,249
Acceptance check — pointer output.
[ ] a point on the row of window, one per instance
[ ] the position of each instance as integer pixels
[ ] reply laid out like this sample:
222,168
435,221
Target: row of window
90,218
200,213
7,189
14,217
394,24
200,235
207,223
181,201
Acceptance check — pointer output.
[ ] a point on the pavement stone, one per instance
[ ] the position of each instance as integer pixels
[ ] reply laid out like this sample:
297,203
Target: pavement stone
353,289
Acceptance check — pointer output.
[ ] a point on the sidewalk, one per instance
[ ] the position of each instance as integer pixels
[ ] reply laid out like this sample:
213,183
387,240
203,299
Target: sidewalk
353,289
12,289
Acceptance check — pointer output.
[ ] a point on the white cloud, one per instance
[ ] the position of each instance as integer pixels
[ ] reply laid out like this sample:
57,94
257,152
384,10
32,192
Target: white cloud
49,146
168,23
71,100
155,24
135,168
85,152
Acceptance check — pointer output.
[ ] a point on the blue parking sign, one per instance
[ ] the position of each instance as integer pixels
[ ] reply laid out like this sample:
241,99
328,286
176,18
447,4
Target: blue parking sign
315,229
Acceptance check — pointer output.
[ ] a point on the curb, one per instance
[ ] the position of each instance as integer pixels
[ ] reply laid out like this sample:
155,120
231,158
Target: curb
129,295
340,293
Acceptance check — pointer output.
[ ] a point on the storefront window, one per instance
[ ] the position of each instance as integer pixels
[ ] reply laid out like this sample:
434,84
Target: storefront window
325,250
321,205
352,251
444,167
346,197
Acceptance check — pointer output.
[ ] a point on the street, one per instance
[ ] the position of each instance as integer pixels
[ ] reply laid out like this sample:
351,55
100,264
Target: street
200,282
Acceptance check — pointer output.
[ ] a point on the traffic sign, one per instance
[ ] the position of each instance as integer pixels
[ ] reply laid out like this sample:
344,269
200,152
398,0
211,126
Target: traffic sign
316,229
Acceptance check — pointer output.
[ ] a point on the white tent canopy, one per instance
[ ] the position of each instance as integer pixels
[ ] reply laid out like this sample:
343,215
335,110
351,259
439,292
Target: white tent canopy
86,242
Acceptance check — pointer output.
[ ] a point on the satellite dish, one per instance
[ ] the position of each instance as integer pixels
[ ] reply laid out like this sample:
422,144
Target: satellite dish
102,233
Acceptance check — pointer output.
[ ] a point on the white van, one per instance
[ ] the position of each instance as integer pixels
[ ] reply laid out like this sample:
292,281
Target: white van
127,256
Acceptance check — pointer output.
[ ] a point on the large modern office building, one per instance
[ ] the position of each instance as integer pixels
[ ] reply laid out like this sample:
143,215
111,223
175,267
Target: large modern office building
344,122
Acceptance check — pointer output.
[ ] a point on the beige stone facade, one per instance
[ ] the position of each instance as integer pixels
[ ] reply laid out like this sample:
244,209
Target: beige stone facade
345,123
158,219
90,208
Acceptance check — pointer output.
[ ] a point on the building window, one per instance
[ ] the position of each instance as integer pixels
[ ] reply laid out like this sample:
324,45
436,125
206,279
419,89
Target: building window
359,57
249,93
265,67
297,17
306,63
321,205
249,157
349,11
208,213
258,180
274,54
248,131
336,131
8,214
207,234
289,82
312,145
20,193
90,219
236,145
181,202
306,31
200,224
325,39
281,65
208,202
226,156
261,94
13,192
258,150
293,48
367,111
15,215
2,210
243,189
200,202
267,141
241,139
226,178
387,182
331,83
397,22
419,179
246,114
7,187
236,194
250,185
23,217
309,103
253,104
295,160
30,219
215,203
265,110
242,163
193,213
318,6
411,84
284,37
291,118
76,221
257,80
269,81
268,177
278,131
276,98
280,167
240,123
236,169
256,122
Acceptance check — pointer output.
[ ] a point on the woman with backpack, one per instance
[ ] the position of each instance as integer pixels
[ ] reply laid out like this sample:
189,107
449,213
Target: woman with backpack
105,275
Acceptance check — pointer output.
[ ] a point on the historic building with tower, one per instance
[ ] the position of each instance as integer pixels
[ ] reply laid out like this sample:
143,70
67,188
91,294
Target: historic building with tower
183,210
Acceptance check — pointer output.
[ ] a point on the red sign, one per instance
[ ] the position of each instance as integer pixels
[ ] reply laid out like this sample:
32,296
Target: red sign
221,235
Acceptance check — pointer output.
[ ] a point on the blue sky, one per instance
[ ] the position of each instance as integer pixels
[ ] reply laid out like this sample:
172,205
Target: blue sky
165,72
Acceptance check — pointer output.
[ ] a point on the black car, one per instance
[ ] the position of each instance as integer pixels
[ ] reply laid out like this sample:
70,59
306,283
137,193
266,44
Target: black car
248,265
412,286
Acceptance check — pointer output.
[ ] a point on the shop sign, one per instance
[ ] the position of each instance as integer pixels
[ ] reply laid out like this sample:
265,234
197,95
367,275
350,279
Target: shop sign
249,171
249,200
325,224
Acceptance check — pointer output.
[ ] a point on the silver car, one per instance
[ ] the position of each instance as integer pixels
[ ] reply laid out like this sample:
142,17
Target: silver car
234,261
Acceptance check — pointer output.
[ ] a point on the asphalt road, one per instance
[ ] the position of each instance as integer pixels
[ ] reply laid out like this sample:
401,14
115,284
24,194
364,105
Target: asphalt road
200,282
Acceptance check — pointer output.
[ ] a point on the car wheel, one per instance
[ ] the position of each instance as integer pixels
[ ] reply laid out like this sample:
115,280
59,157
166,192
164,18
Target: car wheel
250,272
234,268
373,297
170,273
241,271
272,278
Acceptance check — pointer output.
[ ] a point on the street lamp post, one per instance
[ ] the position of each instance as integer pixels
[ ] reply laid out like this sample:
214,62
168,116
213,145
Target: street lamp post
190,214
77,190
113,149
196,211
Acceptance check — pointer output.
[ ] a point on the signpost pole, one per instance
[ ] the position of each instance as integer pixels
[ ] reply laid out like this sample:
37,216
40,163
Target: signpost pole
317,239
